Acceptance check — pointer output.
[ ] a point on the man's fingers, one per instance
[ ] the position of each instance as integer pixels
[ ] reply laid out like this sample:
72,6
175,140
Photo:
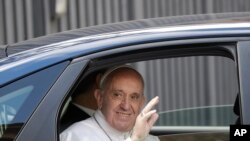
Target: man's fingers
150,117
149,114
151,104
153,119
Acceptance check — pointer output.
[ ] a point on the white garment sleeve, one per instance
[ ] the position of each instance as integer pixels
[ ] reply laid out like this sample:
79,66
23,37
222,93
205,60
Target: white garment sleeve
152,138
128,139
65,137
148,138
72,137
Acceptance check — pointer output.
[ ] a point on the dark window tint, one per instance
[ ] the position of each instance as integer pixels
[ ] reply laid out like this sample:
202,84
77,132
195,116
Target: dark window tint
19,99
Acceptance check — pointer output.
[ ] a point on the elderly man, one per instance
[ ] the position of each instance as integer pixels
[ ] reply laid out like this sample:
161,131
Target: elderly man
119,116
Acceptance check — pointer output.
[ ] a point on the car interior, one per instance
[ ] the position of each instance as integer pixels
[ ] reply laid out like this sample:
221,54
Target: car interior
188,80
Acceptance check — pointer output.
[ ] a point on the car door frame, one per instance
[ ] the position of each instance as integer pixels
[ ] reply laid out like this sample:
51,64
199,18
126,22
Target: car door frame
243,56
180,52
47,127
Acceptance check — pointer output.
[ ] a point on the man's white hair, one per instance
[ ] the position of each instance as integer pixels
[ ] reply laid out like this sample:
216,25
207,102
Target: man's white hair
109,71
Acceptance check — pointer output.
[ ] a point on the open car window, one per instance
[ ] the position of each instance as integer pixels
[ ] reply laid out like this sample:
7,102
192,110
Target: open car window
197,95
196,91
197,88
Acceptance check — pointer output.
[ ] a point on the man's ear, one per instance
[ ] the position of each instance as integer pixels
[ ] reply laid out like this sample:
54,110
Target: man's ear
99,98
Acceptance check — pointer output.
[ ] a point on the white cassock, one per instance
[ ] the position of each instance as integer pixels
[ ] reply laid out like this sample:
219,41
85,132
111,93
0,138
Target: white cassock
96,128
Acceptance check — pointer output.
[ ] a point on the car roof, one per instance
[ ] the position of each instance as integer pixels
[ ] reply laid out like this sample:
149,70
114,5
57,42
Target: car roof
123,26
47,50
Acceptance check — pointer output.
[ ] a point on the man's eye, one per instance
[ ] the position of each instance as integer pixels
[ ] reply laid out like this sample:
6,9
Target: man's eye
135,97
117,95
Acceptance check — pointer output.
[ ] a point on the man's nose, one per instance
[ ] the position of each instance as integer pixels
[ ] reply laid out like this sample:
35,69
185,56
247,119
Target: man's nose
125,104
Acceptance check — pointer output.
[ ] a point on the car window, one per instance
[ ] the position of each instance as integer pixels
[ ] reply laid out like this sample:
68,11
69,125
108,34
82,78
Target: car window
218,115
194,91
19,99
12,102
197,93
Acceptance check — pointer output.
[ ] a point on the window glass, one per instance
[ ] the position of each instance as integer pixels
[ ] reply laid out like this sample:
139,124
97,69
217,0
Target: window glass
193,91
19,99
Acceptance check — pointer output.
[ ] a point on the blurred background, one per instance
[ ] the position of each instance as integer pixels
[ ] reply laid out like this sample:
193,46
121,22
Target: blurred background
24,19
